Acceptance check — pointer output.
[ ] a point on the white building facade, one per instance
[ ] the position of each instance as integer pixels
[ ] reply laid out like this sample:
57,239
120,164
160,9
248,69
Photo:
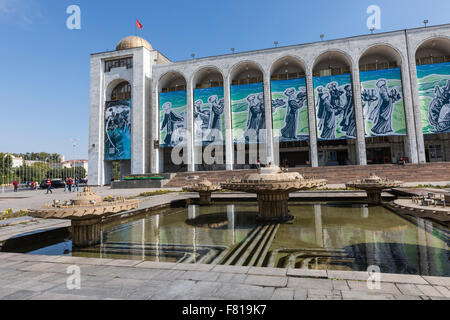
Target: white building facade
362,100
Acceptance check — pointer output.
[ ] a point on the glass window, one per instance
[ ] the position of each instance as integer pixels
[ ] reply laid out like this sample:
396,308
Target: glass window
121,92
124,62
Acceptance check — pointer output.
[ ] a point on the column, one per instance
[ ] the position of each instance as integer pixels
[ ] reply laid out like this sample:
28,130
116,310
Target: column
231,217
312,119
412,134
318,225
138,114
361,157
96,148
416,124
229,151
155,167
268,114
190,127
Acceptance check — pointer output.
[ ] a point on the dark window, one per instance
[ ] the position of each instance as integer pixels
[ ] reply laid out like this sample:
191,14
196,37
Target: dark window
121,92
432,60
124,62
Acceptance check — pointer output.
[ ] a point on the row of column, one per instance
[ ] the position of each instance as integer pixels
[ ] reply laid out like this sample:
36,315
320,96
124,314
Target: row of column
410,145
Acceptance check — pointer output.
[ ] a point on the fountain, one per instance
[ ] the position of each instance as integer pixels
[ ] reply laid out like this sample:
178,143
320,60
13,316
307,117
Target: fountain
204,188
273,186
373,185
86,213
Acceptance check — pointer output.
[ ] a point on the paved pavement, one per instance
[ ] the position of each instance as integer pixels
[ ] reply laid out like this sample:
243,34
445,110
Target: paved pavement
45,277
36,277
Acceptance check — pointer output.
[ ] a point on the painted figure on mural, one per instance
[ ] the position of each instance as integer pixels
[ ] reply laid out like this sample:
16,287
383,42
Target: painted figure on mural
335,95
253,113
117,123
215,122
326,114
217,108
170,121
439,109
381,115
348,124
294,104
200,115
262,112
368,96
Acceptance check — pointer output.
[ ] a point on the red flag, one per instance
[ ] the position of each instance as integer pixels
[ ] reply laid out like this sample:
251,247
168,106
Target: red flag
139,25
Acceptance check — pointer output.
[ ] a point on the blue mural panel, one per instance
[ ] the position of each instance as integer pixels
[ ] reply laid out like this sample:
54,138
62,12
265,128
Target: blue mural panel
434,94
118,130
209,120
172,118
335,113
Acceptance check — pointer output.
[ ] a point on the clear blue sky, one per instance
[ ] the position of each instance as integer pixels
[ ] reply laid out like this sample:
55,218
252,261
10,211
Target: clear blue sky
44,67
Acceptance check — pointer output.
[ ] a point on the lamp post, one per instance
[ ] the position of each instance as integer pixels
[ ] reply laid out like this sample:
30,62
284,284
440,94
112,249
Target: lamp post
75,145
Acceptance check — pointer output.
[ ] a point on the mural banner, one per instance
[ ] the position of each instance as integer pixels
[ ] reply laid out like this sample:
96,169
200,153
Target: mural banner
382,99
247,111
172,118
118,130
434,94
335,114
290,110
209,120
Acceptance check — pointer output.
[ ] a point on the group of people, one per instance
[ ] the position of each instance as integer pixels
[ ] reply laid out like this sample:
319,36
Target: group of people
331,104
209,120
439,109
171,122
70,183
34,185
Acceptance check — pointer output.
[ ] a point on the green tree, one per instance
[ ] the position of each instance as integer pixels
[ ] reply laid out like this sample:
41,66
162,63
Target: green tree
6,164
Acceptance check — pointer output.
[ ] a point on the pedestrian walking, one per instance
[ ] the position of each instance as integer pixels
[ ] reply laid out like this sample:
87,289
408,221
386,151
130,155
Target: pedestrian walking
49,186
77,181
36,185
70,183
16,185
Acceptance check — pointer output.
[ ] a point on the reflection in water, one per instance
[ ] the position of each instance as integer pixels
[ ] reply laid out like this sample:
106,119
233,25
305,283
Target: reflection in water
341,236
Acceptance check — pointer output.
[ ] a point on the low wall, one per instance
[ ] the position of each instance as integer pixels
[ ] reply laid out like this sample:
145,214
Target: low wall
430,172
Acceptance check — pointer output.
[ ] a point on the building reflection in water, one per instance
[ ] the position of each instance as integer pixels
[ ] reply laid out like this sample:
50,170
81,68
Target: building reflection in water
336,236
231,217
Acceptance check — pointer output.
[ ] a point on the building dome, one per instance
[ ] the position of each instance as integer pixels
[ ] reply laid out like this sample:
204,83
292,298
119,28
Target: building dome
133,42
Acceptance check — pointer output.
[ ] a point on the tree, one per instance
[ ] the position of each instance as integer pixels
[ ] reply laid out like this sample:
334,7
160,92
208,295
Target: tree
6,164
